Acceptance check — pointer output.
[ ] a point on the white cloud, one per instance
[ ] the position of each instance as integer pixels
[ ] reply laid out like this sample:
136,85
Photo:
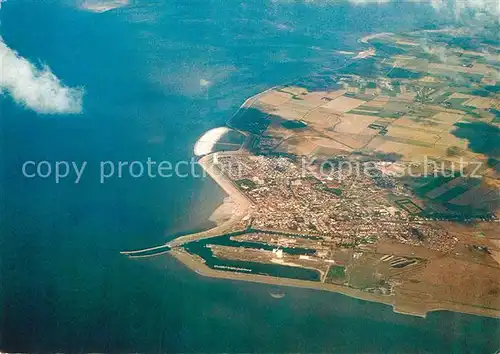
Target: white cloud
489,7
36,88
102,5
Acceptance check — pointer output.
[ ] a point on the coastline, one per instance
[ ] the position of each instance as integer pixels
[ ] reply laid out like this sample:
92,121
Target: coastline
400,302
242,203
400,306
193,263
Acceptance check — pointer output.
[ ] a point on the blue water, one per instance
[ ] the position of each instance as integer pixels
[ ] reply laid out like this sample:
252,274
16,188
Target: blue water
64,287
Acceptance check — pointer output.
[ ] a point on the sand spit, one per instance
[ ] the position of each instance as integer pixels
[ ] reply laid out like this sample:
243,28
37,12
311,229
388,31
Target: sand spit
366,39
207,141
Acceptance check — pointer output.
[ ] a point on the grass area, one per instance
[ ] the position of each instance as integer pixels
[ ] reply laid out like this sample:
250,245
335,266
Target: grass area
452,193
493,89
251,120
423,113
367,68
359,96
246,184
336,272
426,56
376,126
457,103
409,206
496,112
385,48
429,183
480,93
389,114
457,213
363,113
442,97
400,73
336,191
476,78
322,82
369,108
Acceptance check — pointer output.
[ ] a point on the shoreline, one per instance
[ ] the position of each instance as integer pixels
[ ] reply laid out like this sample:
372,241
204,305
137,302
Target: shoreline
243,204
201,268
415,303
225,184
400,306
208,140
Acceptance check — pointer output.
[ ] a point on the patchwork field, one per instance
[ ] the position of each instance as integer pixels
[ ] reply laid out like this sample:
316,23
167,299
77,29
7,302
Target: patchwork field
402,103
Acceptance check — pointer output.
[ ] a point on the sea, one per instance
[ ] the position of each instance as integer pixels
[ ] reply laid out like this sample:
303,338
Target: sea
157,74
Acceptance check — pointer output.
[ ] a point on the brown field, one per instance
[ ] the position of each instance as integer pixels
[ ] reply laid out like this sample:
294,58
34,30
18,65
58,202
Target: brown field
379,101
460,95
353,141
410,134
315,98
448,117
328,143
407,97
290,112
372,91
296,145
326,151
294,90
448,139
484,195
462,285
483,102
335,94
355,124
277,130
495,250
410,152
429,79
343,104
427,125
476,69
445,110
321,118
275,98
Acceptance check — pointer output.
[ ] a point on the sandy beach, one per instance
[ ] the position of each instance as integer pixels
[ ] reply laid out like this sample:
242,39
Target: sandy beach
235,207
240,202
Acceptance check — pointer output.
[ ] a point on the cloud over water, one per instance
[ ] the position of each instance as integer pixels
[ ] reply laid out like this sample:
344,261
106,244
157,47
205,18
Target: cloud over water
36,88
